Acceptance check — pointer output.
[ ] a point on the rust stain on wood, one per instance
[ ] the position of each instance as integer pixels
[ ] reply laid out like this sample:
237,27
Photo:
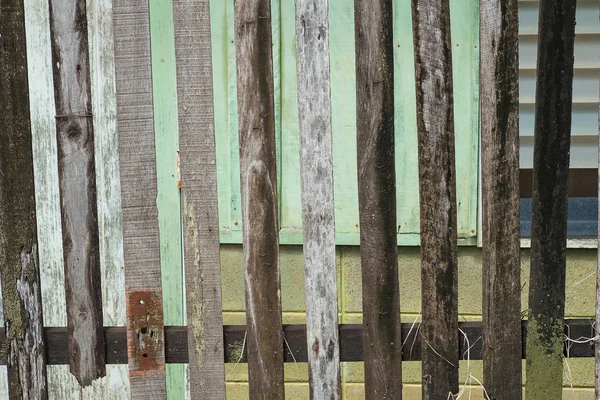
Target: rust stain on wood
145,328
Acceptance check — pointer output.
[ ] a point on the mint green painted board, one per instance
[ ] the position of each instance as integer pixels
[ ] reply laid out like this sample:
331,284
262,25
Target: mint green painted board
464,21
225,100
168,199
465,34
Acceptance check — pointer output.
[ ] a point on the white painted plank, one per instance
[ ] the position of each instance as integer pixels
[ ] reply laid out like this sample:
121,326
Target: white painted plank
61,383
108,183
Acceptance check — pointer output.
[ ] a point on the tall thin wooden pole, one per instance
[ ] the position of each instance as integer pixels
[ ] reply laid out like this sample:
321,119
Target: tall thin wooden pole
258,173
137,157
199,198
19,267
316,165
437,188
552,139
499,94
77,183
377,198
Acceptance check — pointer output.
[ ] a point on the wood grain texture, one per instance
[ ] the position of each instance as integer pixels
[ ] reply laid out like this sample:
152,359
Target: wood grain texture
108,184
377,198
499,90
168,200
199,198
77,186
61,384
552,139
437,188
19,266
597,330
259,197
316,168
141,244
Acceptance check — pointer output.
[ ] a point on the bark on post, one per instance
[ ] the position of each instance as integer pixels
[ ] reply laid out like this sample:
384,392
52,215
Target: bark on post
259,197
316,164
137,157
437,188
77,182
199,198
499,94
19,269
552,139
377,198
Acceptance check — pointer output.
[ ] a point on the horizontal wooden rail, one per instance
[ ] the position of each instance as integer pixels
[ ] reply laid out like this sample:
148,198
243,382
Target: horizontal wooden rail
351,345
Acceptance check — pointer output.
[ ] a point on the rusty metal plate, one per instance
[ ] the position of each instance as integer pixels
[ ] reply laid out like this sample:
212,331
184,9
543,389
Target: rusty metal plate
145,332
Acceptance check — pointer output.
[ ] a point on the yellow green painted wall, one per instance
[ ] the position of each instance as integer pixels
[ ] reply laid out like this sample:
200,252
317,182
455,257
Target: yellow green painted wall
581,267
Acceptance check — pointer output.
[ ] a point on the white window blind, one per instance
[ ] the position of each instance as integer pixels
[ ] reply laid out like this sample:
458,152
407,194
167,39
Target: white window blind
584,131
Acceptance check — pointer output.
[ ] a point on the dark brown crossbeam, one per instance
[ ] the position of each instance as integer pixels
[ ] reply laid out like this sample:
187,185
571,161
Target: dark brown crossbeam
351,345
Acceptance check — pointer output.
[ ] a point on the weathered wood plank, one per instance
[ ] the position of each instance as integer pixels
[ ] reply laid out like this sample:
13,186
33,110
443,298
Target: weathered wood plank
19,266
168,200
104,104
199,198
437,189
141,244
259,197
377,197
597,327
316,168
77,185
499,94
552,139
43,127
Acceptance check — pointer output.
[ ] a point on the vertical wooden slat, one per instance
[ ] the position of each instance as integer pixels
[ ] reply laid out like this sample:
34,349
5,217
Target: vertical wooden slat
104,103
377,198
168,200
597,327
77,185
61,383
259,197
499,88
552,138
437,188
19,266
316,168
141,244
550,197
199,198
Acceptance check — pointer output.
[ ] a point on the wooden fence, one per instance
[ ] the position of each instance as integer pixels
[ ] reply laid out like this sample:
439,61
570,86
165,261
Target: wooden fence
143,341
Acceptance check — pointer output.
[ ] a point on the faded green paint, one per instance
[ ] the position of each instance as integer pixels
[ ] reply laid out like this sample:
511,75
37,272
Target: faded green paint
465,41
168,200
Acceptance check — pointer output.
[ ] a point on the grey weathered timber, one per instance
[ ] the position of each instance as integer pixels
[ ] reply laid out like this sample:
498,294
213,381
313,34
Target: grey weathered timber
199,198
137,157
437,188
552,139
77,185
19,267
316,169
259,197
597,327
499,94
377,198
